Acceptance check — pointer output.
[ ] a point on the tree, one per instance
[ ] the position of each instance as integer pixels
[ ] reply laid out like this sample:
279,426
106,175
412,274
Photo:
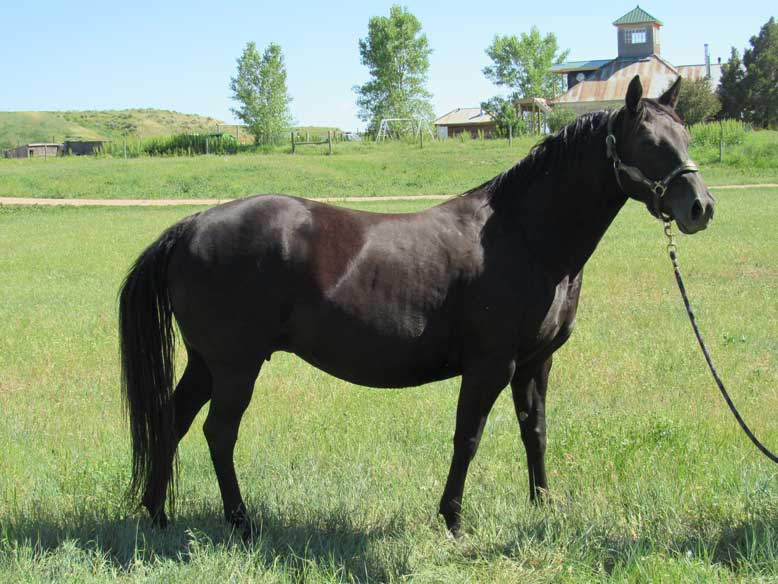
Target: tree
396,53
696,101
732,90
522,65
260,89
761,79
504,114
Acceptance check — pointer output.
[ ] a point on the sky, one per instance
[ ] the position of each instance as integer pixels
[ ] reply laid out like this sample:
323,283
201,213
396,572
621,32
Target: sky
180,55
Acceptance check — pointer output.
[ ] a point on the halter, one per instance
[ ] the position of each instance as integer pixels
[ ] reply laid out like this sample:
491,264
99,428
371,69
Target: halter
658,188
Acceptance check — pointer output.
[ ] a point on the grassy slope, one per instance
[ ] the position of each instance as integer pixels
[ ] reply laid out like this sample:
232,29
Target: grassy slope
355,169
651,478
24,127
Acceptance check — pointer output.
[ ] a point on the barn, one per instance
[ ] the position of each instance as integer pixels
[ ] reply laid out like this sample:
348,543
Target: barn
602,83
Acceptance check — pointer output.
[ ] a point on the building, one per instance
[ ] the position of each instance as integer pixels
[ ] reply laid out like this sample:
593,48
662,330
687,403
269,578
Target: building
473,120
602,84
38,150
49,150
82,147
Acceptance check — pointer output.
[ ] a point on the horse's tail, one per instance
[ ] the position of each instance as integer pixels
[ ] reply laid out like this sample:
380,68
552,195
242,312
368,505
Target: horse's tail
147,346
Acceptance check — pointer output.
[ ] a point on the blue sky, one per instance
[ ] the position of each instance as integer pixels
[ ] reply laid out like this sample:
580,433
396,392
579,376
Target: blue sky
180,55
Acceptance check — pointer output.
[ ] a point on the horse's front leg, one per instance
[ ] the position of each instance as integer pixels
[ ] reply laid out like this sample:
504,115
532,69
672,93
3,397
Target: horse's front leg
529,398
479,390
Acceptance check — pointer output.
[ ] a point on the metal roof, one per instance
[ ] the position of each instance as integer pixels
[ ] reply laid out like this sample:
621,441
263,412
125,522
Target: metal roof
578,66
637,16
464,115
609,83
694,72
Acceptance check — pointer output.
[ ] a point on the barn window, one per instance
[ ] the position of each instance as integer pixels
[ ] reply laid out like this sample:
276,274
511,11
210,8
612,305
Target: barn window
635,36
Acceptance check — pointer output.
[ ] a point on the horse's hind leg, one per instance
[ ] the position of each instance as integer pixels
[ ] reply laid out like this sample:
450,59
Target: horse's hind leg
232,390
192,391
529,399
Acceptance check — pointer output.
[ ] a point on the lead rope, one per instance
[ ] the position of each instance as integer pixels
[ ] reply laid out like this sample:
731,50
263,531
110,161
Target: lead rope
672,251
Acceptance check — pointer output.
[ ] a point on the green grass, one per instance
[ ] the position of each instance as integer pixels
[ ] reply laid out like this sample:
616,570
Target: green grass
651,479
23,127
365,168
19,128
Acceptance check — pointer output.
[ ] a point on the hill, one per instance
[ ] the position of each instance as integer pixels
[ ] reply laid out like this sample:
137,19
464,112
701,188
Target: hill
24,127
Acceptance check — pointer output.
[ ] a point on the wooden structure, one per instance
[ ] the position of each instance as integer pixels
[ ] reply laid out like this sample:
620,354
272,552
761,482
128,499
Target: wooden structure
533,111
328,142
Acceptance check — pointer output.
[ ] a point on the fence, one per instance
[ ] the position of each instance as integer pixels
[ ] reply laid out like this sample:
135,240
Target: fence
328,142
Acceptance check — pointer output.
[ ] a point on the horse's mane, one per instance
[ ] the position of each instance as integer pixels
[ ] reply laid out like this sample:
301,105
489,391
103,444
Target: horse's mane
577,142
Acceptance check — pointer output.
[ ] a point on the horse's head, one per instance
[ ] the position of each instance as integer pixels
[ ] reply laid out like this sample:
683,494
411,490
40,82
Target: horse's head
649,147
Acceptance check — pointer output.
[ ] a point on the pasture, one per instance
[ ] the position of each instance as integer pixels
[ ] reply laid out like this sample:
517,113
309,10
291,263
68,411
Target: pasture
650,478
362,168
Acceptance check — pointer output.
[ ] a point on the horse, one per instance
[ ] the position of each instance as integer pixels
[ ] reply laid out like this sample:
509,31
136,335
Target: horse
484,286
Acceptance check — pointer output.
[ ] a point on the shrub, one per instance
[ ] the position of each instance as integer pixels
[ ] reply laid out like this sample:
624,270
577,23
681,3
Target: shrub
558,118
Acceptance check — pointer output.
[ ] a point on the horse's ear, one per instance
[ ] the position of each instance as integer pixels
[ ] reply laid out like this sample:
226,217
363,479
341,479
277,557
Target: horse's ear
670,97
634,93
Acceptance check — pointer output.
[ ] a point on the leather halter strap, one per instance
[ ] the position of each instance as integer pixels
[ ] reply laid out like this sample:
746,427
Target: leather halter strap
658,188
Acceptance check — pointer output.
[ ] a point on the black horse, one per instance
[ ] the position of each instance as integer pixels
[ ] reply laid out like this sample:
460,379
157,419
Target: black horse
484,286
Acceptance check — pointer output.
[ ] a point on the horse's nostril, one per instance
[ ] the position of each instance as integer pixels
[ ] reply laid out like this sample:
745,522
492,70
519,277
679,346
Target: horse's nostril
696,211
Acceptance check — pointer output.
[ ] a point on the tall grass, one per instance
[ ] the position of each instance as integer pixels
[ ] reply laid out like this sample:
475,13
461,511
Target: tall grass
175,145
732,132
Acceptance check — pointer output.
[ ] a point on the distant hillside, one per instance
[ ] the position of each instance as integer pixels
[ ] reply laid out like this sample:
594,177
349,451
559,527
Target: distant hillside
24,127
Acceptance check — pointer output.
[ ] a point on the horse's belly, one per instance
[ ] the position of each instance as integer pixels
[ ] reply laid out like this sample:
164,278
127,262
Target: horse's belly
375,355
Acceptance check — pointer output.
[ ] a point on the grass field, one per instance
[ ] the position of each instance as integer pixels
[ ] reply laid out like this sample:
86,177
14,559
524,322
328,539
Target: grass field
651,479
365,168
25,127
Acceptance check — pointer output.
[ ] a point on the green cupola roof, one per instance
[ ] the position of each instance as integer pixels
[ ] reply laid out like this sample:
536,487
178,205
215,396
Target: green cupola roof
637,16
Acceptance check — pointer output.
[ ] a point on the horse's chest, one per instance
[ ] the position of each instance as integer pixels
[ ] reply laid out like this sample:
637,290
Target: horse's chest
554,317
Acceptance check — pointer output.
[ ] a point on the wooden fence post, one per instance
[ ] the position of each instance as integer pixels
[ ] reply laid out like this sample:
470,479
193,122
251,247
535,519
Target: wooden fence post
207,149
721,141
292,142
510,135
329,141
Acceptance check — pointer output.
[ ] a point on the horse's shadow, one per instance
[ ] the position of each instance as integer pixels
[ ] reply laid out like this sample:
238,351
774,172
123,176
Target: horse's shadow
328,539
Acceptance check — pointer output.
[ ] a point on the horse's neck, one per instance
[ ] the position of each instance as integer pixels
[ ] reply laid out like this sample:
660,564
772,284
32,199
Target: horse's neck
565,216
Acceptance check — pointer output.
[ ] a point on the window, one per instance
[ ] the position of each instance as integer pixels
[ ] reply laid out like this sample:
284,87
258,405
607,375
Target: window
635,36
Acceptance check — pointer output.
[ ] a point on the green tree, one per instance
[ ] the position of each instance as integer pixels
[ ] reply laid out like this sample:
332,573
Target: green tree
696,101
761,79
522,64
396,53
732,89
260,89
504,114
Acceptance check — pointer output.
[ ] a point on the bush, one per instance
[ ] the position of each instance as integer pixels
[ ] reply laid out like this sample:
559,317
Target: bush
558,118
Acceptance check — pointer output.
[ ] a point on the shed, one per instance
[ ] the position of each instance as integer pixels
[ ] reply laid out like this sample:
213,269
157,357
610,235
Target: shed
81,147
473,120
37,150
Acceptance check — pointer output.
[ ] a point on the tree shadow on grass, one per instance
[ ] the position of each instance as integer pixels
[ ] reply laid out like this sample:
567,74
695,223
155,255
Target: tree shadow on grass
331,541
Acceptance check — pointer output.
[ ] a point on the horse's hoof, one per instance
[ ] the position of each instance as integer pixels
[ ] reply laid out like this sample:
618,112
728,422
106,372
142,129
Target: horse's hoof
159,520
241,523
